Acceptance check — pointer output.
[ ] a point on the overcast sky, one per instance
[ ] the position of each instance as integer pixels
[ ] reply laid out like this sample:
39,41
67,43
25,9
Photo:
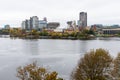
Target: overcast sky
105,12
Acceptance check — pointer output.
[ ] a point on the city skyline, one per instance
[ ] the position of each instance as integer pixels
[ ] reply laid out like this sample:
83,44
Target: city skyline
99,12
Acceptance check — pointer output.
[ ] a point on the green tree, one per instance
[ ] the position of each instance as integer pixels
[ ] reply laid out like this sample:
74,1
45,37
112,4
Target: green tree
95,65
91,32
33,72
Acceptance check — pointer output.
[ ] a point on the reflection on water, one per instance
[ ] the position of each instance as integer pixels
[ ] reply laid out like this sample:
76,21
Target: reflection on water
58,55
30,47
83,46
109,38
4,36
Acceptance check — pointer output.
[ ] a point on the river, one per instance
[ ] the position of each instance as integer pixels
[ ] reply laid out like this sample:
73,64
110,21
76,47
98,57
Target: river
54,54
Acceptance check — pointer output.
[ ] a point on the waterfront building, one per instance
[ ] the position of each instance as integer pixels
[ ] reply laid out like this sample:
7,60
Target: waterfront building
82,20
71,25
7,26
42,24
34,22
23,25
115,26
96,27
58,30
53,25
45,19
74,25
27,24
111,31
79,23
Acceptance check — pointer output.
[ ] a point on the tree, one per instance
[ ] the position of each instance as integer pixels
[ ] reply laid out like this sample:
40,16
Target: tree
116,70
95,65
91,32
33,72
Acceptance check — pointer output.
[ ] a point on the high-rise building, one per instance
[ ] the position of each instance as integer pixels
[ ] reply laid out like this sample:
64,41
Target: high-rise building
82,19
27,24
7,26
23,24
31,24
34,22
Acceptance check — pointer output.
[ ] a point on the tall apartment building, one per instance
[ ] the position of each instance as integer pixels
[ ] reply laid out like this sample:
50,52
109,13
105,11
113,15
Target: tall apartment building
82,20
7,26
32,23
26,24
23,25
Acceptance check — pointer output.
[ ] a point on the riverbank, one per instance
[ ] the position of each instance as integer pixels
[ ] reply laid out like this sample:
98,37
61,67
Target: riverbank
57,37
64,38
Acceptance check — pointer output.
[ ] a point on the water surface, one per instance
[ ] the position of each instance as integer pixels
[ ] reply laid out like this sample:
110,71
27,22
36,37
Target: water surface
56,55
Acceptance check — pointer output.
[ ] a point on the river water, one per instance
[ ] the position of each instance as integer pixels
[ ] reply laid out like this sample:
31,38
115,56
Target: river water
56,55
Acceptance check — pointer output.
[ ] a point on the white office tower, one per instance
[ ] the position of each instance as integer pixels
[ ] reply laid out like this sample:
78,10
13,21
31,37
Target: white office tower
34,22
23,25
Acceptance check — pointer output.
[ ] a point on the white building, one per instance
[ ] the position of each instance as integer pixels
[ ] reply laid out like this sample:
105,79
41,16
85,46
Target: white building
53,25
28,24
42,24
7,26
32,23
23,24
35,22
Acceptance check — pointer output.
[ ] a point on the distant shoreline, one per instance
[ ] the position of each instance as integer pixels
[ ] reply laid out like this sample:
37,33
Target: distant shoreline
62,38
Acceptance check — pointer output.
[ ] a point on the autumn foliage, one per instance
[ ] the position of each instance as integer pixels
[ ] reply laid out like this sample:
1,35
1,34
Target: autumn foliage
33,72
95,65
116,69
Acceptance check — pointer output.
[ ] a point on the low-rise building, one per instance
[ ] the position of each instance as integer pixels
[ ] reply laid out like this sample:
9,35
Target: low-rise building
111,30
42,24
53,25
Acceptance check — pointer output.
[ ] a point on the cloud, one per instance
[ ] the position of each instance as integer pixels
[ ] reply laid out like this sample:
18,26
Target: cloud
99,11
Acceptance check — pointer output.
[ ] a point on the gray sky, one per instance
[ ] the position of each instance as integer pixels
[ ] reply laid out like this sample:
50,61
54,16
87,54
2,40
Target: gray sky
105,12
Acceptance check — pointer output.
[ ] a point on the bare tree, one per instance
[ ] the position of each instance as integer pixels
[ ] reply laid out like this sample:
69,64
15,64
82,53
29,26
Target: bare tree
95,65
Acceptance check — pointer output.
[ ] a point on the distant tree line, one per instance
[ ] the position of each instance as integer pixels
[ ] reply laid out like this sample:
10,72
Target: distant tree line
4,32
85,34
